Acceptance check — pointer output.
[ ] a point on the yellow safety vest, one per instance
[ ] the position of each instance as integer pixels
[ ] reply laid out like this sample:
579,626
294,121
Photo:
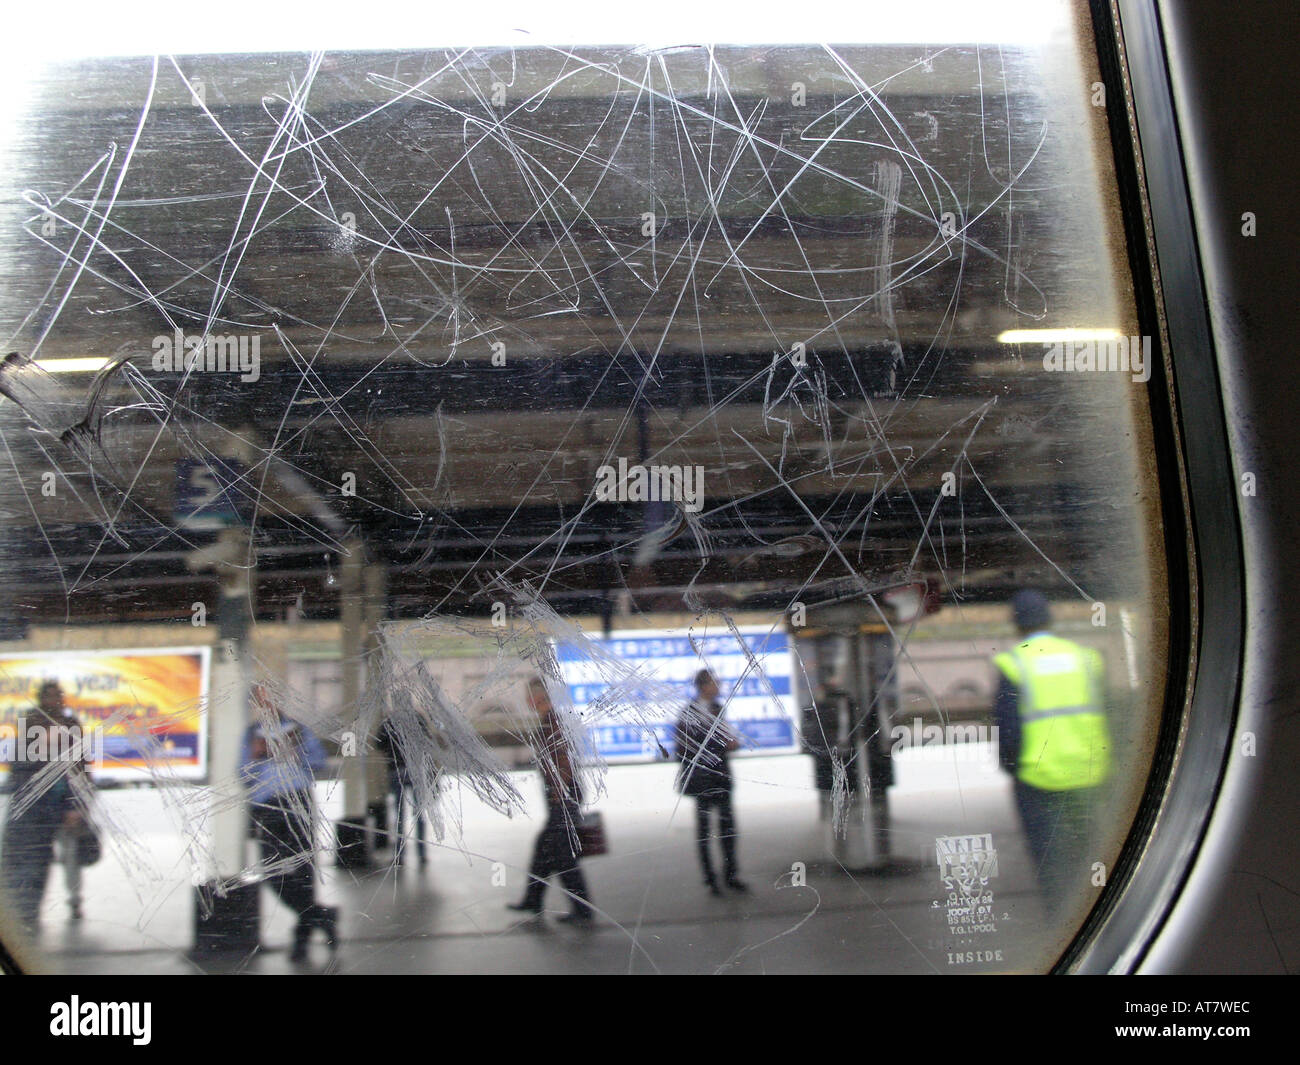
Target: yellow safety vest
1064,740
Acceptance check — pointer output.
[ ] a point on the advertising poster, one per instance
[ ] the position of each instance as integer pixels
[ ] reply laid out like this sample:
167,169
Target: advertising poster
141,711
760,701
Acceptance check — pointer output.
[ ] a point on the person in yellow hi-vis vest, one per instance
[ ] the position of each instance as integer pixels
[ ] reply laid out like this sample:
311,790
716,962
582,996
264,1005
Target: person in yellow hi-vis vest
1054,740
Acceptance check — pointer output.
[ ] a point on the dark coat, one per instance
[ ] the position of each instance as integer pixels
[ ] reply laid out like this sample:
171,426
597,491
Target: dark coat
555,760
702,744
28,844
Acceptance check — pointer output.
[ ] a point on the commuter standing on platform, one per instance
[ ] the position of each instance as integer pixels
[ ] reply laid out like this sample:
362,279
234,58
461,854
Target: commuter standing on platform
556,852
279,765
703,741
30,832
1054,740
401,785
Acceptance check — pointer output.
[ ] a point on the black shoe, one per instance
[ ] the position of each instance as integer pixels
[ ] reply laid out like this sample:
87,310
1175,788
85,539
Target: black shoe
327,920
712,885
300,936
737,885
75,915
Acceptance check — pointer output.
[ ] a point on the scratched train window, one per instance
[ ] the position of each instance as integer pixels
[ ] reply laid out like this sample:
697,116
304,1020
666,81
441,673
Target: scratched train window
561,509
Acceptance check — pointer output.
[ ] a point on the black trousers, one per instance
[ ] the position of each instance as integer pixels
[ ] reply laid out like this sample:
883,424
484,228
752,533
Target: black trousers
556,854
1058,829
403,792
705,805
283,826
27,856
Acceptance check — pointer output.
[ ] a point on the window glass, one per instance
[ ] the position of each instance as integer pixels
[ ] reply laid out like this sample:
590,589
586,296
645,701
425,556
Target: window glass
715,481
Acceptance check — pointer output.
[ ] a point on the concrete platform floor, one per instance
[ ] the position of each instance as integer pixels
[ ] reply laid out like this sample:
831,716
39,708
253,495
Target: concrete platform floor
654,914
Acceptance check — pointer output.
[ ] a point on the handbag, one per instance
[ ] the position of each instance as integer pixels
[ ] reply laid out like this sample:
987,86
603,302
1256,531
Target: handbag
89,850
591,835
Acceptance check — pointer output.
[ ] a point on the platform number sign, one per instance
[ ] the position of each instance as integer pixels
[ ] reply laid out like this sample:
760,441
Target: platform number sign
207,493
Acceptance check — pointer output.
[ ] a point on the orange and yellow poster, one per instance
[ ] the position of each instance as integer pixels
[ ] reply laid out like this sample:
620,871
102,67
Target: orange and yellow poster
143,713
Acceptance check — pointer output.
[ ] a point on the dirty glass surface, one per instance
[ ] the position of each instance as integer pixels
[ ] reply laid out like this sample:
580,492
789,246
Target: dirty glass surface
424,467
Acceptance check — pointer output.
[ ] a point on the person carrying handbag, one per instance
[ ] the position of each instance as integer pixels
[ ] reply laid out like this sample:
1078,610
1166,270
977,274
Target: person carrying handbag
37,813
556,852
